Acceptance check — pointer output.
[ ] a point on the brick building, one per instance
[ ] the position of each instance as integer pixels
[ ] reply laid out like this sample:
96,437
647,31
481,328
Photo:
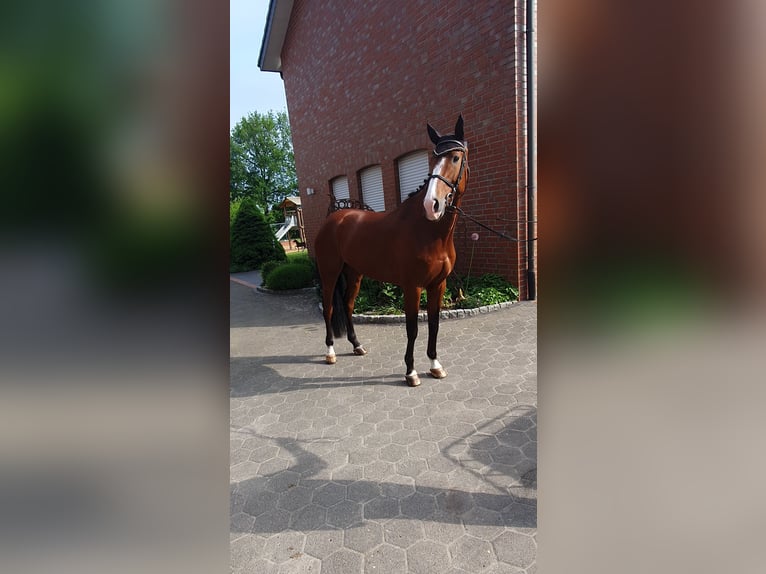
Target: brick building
362,79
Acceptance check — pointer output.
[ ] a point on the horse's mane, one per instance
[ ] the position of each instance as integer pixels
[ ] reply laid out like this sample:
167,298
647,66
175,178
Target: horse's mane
412,194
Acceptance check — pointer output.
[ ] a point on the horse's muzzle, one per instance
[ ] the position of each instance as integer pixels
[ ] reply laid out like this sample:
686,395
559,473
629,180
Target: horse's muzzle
434,209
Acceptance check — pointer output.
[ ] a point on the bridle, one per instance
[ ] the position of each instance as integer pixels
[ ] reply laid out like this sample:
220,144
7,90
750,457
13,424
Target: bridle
454,195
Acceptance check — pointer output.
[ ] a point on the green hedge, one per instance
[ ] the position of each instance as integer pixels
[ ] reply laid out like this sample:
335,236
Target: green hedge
290,276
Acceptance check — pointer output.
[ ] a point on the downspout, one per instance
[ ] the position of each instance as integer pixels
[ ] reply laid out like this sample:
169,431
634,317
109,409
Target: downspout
531,150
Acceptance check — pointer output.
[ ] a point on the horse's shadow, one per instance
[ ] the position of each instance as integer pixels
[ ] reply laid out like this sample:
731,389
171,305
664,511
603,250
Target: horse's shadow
251,376
301,498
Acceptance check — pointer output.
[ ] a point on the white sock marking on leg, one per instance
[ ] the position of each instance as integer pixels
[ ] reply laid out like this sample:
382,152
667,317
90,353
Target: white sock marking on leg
435,364
412,373
330,350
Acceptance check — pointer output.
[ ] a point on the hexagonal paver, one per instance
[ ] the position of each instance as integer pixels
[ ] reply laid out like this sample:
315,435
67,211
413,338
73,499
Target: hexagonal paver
483,523
515,549
508,455
411,467
377,440
401,489
381,508
264,453
363,537
427,557
300,564
403,533
241,522
388,426
393,452
454,502
471,554
284,545
294,498
363,490
259,502
378,470
405,437
513,437
419,505
246,555
440,463
348,473
271,521
385,559
344,513
423,449
343,561
282,481
443,528
308,518
329,494
322,543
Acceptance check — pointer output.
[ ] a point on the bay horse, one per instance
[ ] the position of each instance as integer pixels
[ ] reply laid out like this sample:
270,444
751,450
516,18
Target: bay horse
411,246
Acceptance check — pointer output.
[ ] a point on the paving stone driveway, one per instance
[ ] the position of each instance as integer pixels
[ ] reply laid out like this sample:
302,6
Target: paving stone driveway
344,469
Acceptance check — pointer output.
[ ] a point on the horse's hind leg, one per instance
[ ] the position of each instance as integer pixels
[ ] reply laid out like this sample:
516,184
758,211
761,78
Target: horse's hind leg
329,274
353,284
328,286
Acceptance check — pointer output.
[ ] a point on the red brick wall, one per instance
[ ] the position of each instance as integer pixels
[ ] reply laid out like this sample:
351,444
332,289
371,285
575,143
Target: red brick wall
362,79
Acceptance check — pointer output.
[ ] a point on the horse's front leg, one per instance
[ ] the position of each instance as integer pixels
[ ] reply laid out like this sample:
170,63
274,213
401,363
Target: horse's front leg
411,308
435,295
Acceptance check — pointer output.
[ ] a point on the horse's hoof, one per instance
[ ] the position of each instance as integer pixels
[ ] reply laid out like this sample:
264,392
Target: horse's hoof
413,380
329,359
359,350
438,373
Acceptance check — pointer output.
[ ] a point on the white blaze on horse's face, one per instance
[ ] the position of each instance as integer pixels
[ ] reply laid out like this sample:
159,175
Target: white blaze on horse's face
439,194
432,203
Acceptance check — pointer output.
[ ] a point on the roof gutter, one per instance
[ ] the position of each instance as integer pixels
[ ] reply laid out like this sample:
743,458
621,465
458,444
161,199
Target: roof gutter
277,21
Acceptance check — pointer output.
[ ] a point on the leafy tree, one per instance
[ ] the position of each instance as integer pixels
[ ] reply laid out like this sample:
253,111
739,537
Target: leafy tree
252,239
261,161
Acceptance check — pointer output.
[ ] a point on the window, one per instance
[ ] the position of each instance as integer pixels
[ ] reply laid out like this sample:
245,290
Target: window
413,169
340,187
372,187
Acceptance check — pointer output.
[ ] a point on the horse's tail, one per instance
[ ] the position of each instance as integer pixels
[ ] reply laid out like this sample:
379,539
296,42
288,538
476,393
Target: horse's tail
338,321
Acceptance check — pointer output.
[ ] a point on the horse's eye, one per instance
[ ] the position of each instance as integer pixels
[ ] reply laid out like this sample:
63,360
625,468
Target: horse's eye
455,158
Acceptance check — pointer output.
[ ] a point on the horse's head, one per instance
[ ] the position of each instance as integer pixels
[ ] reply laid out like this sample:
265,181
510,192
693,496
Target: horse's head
447,181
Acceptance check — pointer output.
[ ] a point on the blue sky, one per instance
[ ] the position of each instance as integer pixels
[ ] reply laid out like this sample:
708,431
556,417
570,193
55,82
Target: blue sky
250,89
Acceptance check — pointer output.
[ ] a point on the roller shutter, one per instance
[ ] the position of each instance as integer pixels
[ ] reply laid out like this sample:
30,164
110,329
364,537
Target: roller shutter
372,187
413,169
340,187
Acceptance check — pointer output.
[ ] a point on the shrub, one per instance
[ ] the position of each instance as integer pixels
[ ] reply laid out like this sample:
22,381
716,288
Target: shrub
252,241
487,289
302,258
267,268
290,276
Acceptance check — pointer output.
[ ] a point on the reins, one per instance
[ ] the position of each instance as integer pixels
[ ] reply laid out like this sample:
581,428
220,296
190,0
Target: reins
487,227
454,195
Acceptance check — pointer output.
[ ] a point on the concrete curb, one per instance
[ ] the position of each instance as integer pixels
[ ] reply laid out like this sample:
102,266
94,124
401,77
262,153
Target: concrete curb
285,291
423,315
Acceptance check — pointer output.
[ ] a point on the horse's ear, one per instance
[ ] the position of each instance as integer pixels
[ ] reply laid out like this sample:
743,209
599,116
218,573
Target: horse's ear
433,134
459,128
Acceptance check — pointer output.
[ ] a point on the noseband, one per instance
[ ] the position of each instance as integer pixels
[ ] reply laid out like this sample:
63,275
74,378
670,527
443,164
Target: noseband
454,194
